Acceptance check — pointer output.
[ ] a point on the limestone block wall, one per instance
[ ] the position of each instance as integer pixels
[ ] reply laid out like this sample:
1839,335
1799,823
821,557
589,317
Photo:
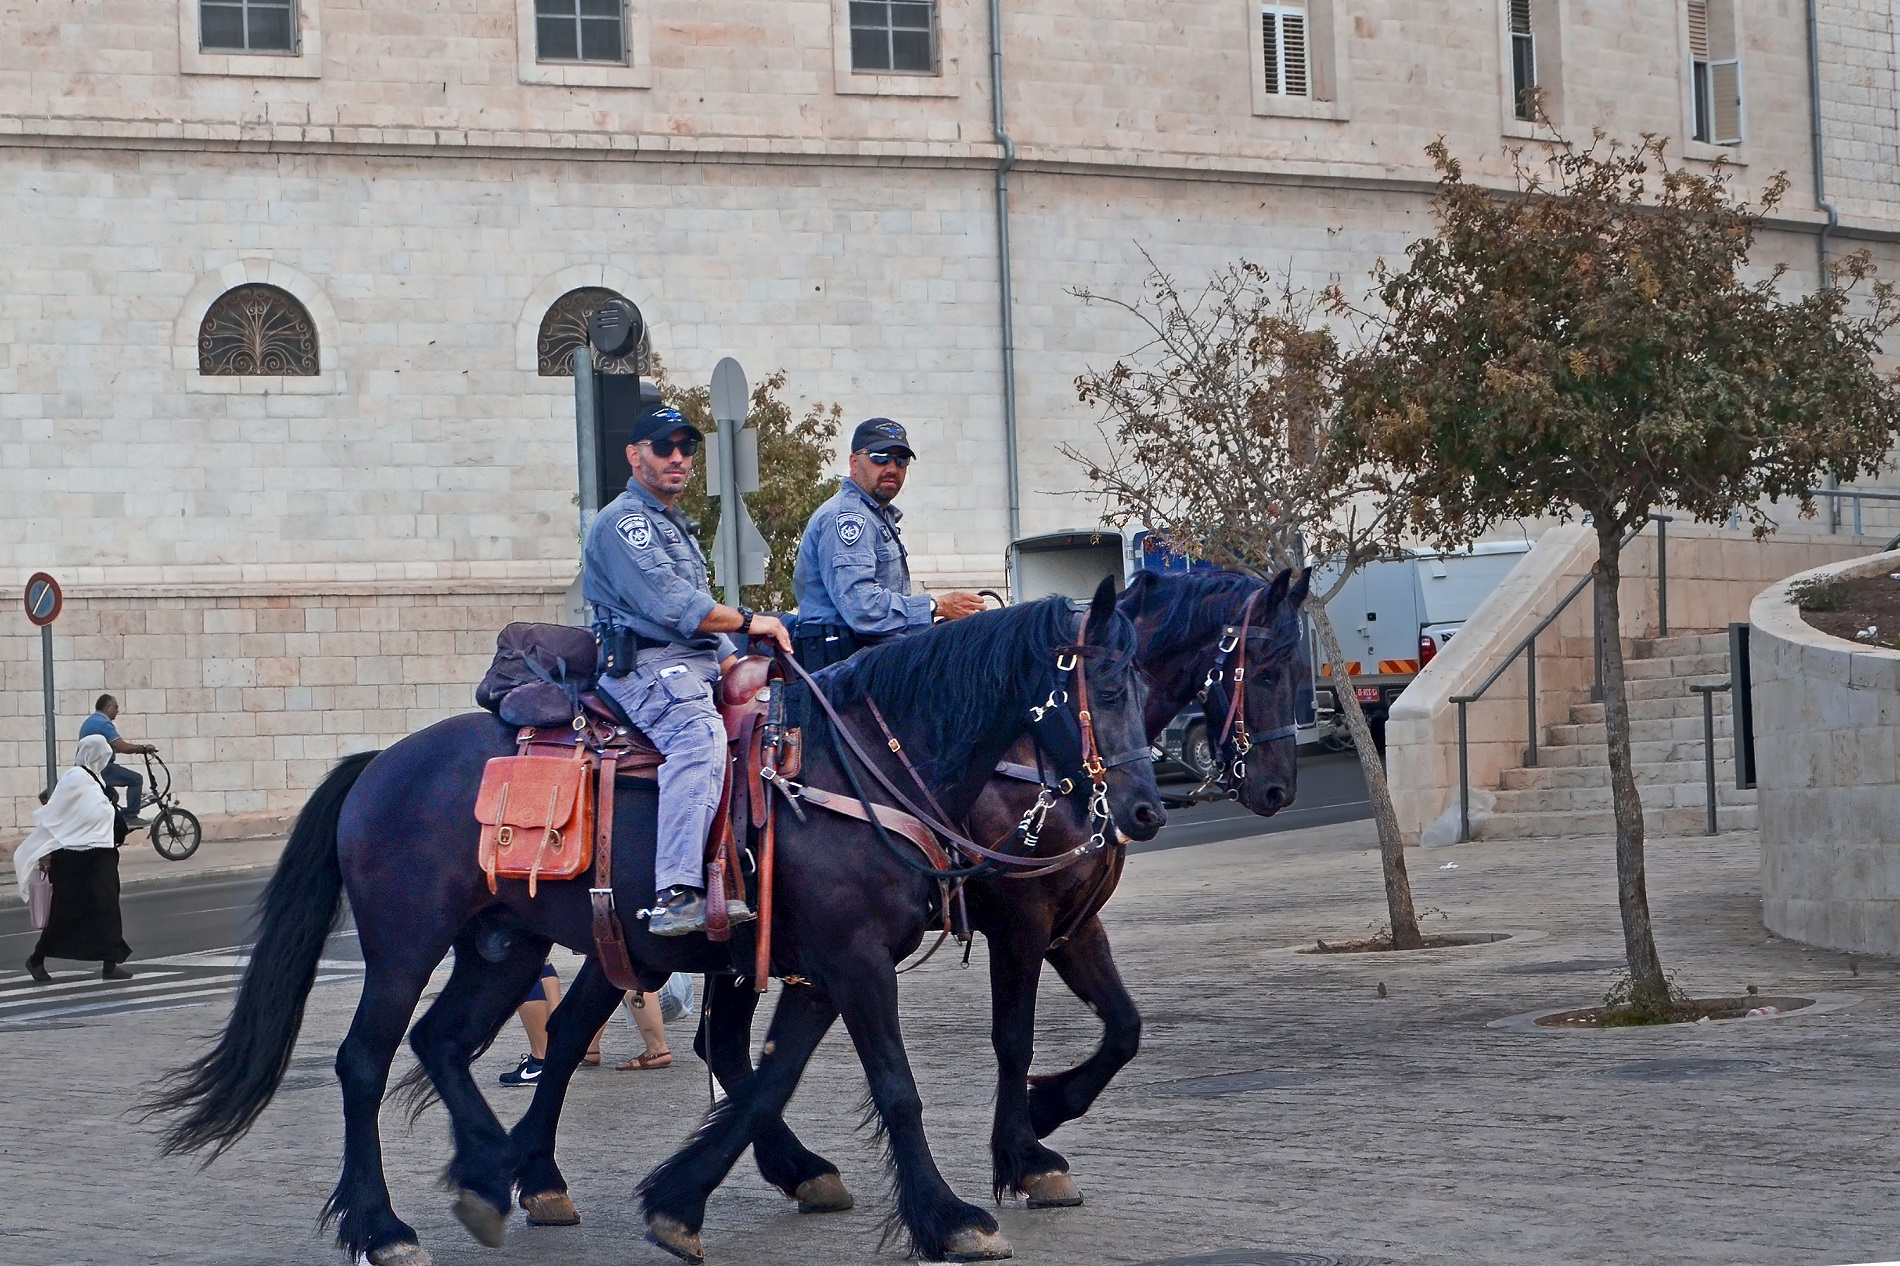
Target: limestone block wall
252,688
1713,576
1827,762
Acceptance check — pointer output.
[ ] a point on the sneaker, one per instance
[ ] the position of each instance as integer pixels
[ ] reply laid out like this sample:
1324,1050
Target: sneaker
678,911
738,912
526,1073
133,822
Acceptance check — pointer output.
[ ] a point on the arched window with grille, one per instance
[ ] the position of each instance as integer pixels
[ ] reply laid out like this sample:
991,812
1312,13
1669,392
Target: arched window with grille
564,328
257,330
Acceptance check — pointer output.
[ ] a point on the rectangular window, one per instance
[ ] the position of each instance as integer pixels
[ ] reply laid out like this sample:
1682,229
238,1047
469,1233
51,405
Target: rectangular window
580,31
894,37
247,26
1523,61
1715,73
1284,47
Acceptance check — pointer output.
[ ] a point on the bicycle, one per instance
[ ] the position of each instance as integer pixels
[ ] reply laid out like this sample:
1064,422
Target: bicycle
175,832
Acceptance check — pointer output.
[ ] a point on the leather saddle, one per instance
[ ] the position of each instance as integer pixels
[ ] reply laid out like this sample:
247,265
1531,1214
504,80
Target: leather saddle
547,811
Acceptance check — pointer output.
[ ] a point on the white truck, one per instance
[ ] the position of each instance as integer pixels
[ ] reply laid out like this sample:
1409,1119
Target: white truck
1392,617
1395,614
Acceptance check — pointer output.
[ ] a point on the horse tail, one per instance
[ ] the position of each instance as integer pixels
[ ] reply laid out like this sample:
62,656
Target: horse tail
222,1093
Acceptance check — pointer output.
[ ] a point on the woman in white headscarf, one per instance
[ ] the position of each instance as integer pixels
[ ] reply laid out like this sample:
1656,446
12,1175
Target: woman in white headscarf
74,836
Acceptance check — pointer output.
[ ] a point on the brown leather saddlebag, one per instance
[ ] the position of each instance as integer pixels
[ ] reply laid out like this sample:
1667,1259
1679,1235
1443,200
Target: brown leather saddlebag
537,818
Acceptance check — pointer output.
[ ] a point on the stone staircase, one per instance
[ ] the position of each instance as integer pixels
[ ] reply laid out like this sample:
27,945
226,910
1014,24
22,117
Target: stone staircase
1568,793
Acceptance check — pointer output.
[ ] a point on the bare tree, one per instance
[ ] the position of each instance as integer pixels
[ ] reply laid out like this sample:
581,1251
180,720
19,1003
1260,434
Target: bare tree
1219,437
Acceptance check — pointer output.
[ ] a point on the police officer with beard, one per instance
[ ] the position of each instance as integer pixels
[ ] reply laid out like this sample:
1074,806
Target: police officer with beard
665,642
852,579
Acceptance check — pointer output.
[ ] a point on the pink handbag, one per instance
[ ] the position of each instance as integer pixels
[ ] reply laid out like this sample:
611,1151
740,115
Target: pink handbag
39,897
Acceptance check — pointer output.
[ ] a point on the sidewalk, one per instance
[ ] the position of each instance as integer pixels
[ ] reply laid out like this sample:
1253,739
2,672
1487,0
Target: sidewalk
140,865
1278,1104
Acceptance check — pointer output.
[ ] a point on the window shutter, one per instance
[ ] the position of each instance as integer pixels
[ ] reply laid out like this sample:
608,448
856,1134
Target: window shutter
1293,29
1270,49
1520,17
1699,30
1725,89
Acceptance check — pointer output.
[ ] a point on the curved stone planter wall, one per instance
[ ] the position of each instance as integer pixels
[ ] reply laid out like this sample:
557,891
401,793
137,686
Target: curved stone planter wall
1827,761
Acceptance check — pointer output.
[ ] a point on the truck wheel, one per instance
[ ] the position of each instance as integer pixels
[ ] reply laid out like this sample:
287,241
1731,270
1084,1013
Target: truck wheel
1196,752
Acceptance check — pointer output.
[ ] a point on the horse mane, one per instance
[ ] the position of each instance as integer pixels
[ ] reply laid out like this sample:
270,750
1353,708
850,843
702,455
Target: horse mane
961,676
1182,605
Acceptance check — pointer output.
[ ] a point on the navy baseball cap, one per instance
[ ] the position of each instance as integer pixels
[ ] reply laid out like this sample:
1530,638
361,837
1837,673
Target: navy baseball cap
881,435
658,422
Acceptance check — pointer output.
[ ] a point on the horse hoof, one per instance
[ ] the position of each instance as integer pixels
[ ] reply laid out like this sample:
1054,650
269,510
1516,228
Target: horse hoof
1053,1190
973,1244
484,1221
407,1253
551,1208
671,1234
823,1194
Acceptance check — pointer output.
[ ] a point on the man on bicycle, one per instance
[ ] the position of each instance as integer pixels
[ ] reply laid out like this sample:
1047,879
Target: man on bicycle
105,710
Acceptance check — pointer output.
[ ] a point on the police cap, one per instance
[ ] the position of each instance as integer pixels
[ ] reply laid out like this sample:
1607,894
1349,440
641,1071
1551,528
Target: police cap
659,421
881,435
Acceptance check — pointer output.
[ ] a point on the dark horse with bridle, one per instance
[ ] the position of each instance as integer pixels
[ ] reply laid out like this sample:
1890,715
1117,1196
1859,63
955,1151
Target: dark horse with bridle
1225,636
396,830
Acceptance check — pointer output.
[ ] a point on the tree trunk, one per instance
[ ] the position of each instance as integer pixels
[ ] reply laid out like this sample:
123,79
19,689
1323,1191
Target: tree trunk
1398,887
1632,889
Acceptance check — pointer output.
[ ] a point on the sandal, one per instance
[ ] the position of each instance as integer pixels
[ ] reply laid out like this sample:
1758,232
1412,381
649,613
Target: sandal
643,1062
591,1059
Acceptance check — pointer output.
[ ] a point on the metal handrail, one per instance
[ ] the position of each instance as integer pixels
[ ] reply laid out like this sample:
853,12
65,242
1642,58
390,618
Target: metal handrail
1834,496
1527,647
1708,694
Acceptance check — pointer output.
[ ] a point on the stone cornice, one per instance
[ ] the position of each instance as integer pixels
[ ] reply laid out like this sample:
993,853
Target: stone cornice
246,580
464,144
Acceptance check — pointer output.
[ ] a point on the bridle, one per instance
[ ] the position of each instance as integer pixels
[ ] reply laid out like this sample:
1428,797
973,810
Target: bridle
1067,733
1224,689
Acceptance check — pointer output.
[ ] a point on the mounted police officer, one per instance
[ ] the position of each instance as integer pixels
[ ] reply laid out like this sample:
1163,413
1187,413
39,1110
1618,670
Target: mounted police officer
664,644
852,580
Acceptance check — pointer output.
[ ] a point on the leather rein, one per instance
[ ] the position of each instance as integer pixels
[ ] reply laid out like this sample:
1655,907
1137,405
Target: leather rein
1228,677
1094,766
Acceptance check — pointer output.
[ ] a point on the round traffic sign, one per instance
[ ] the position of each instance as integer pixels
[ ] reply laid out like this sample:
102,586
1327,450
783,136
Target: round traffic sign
43,598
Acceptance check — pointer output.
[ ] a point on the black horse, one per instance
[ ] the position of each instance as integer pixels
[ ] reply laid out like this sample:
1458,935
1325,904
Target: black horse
396,830
1195,633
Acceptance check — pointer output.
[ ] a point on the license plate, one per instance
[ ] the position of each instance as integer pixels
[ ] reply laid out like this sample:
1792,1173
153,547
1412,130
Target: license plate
1367,694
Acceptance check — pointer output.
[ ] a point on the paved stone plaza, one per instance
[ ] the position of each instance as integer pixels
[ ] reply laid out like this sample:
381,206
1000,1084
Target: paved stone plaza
1399,1129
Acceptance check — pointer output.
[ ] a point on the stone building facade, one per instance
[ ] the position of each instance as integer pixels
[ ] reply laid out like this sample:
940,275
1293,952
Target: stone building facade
270,568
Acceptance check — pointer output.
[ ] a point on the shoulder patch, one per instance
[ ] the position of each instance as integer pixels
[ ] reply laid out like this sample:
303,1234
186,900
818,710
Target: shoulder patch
850,528
636,530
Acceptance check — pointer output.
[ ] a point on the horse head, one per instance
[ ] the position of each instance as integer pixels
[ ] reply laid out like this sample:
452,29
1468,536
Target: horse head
1254,738
1095,731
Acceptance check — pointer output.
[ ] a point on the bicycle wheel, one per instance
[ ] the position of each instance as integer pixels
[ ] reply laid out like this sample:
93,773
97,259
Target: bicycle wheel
175,833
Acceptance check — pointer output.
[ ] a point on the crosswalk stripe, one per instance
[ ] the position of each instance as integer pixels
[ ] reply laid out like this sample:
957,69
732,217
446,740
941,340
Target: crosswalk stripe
73,989
52,993
155,1002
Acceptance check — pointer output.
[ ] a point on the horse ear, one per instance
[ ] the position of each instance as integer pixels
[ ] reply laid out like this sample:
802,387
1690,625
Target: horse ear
1276,592
1296,596
1101,611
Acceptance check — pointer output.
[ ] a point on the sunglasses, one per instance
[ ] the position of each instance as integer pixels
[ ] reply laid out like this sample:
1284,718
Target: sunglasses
667,447
885,459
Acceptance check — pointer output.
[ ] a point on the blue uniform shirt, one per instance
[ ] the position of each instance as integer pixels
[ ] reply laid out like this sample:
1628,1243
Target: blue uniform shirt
641,569
852,568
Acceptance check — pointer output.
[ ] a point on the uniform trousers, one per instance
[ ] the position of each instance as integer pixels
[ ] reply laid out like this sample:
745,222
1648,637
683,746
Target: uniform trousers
669,696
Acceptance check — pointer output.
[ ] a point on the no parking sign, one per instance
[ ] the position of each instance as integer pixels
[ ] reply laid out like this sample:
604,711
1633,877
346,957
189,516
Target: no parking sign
43,603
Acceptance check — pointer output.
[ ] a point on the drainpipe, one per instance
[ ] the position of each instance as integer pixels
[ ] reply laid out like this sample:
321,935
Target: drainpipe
1005,292
1814,104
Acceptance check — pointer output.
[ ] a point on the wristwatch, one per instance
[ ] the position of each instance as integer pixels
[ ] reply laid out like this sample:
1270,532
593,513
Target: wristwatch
745,620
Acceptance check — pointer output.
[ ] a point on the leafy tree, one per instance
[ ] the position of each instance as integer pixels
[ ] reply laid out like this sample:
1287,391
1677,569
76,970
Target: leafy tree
1218,436
1589,343
794,456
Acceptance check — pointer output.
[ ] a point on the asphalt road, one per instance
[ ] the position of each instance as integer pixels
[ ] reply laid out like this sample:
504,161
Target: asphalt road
187,918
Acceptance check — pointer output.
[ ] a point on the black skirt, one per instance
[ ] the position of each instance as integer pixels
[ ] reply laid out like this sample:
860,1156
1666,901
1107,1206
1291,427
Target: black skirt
85,922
